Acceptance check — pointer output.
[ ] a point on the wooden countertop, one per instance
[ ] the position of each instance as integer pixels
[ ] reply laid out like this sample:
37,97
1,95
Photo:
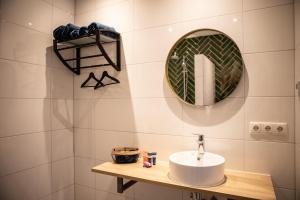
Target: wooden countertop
238,185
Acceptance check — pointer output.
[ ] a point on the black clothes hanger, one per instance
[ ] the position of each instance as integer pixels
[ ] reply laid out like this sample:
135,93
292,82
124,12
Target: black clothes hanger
105,74
91,76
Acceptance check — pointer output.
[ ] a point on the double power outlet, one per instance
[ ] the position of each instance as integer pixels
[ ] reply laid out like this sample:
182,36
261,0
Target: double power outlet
276,128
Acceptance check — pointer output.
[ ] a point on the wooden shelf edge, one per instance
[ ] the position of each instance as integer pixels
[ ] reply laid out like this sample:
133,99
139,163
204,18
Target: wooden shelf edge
239,185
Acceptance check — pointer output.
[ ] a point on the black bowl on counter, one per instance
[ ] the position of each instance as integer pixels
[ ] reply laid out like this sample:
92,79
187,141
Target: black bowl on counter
125,154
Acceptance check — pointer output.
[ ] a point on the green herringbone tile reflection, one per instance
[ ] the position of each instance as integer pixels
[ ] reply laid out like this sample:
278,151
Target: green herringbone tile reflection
221,50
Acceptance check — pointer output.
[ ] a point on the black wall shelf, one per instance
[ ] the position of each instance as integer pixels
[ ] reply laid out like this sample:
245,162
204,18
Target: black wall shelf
99,38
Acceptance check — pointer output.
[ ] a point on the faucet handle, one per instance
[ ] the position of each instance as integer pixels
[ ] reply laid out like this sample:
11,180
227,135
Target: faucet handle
200,136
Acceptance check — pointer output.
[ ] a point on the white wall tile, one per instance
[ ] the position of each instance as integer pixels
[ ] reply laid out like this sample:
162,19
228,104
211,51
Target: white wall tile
84,6
148,80
62,144
269,29
62,174
164,145
222,120
67,5
61,17
297,155
84,19
61,83
31,14
297,26
112,139
122,18
24,116
83,93
83,174
258,4
84,193
23,44
15,186
114,114
144,191
285,194
83,113
155,13
84,143
146,45
108,183
62,113
272,158
271,109
269,74
150,113
32,150
231,25
193,9
101,195
22,80
64,194
121,90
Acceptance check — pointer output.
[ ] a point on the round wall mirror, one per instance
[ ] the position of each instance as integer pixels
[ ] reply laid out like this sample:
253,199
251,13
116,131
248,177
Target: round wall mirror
204,67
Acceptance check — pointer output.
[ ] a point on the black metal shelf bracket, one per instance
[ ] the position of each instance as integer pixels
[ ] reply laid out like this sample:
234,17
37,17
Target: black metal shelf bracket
98,39
121,186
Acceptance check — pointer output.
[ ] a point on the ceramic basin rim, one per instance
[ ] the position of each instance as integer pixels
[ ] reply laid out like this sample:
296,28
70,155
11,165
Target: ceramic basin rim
221,162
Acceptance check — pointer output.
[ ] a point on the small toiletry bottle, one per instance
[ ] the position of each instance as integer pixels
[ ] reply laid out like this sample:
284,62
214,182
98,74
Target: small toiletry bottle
145,156
150,158
154,154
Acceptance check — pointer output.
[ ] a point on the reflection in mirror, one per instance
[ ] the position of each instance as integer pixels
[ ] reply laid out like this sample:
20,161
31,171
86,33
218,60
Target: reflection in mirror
204,67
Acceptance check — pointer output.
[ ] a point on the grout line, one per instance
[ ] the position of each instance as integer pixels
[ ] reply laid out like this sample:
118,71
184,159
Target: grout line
183,135
188,20
269,7
267,51
27,133
25,27
35,132
37,98
53,192
36,166
135,98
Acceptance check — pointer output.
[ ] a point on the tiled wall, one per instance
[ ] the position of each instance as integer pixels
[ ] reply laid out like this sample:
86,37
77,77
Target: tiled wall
36,103
142,111
297,96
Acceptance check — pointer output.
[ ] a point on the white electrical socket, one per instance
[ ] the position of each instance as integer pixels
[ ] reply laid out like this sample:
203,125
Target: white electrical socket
267,127
255,127
280,128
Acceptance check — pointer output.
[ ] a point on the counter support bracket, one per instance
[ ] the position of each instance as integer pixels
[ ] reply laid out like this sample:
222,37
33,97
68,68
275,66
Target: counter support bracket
121,186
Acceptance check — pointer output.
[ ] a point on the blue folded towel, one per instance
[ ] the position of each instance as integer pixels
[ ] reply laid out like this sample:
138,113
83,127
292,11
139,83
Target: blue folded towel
74,34
58,32
70,31
83,31
95,26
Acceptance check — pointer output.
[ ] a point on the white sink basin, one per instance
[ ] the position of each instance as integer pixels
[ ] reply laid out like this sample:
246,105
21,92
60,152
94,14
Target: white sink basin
186,169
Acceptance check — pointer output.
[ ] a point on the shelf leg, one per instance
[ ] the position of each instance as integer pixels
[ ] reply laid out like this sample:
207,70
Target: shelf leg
118,49
121,187
78,60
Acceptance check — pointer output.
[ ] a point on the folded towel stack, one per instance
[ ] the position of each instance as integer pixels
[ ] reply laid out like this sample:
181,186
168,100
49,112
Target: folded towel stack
106,30
71,31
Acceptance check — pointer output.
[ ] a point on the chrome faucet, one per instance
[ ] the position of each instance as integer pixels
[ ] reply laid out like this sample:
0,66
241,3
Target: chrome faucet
201,146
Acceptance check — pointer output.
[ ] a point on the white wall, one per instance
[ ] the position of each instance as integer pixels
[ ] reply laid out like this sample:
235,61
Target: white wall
297,97
36,103
142,111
